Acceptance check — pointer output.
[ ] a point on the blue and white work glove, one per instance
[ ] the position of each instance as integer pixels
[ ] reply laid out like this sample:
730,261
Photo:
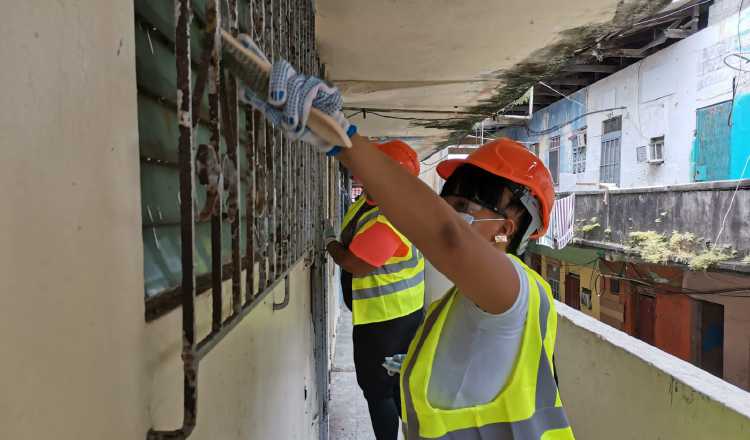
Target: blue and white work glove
291,95
393,364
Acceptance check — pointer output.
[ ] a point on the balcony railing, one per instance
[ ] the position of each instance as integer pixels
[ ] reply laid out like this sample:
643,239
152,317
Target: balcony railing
617,387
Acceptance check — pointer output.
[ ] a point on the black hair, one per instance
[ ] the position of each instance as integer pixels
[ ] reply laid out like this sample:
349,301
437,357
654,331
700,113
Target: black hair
485,188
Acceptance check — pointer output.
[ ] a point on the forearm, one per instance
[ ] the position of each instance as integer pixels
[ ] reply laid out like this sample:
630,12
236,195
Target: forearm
347,260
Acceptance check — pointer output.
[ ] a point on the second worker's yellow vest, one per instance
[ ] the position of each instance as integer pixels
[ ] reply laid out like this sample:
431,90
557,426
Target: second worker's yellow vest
394,289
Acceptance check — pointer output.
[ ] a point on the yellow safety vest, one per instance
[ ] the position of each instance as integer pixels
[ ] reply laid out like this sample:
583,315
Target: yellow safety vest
529,406
394,289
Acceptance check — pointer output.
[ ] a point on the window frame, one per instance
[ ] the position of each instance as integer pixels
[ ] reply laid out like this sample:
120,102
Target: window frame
554,168
554,283
610,161
656,143
578,152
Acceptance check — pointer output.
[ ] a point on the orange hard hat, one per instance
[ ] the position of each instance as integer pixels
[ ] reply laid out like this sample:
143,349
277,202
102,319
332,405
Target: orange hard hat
509,159
401,153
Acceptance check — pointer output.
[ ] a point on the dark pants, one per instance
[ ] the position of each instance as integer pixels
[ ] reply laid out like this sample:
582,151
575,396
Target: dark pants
372,343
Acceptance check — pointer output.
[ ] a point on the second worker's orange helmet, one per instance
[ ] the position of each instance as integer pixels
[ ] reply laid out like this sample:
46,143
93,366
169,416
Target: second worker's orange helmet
401,153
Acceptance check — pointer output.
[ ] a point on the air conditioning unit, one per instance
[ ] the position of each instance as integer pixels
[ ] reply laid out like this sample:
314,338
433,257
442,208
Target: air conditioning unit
656,151
581,138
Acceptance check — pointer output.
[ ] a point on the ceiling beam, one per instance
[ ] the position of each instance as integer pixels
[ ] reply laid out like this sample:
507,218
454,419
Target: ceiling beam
624,53
677,34
569,81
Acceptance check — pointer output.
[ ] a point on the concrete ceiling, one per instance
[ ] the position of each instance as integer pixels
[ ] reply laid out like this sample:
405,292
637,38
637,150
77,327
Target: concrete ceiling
436,55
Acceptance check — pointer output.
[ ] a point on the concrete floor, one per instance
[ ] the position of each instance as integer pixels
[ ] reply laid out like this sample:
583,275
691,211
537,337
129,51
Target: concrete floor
349,418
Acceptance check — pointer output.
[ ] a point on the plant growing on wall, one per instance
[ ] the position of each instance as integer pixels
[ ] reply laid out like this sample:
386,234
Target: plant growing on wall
586,226
679,247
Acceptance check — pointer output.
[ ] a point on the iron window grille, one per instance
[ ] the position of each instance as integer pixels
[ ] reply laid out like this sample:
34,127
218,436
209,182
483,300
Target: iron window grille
225,195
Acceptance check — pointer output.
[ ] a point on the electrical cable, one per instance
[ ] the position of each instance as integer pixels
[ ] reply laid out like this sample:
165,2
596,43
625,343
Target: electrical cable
648,285
409,118
562,94
530,130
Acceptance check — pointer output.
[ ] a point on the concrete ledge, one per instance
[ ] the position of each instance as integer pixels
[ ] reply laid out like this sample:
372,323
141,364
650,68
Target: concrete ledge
719,185
732,265
617,387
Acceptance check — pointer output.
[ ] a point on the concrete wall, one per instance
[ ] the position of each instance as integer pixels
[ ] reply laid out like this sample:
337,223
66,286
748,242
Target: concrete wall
736,321
697,208
72,332
616,387
79,360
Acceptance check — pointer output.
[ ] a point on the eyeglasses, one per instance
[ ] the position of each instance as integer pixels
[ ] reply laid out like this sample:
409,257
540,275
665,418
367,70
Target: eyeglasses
462,204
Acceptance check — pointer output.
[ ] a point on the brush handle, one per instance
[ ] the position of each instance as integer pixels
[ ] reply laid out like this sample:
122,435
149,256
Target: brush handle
256,72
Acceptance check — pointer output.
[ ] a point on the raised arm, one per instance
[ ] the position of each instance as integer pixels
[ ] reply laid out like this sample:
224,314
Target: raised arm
480,272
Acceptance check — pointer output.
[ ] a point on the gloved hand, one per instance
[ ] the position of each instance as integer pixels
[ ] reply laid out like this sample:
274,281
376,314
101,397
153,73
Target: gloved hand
329,234
291,95
393,364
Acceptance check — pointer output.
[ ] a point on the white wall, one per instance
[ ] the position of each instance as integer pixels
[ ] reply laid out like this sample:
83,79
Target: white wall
79,361
661,95
72,336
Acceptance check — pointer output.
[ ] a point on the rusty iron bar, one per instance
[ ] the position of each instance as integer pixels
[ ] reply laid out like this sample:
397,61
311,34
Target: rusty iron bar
270,247
252,122
213,32
186,153
283,186
281,159
231,104
267,156
250,148
213,339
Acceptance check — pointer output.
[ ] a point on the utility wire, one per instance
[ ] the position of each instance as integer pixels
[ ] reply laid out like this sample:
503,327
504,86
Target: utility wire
559,126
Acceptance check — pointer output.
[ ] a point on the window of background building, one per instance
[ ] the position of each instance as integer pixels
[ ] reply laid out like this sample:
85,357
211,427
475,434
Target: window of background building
578,152
553,278
609,171
554,159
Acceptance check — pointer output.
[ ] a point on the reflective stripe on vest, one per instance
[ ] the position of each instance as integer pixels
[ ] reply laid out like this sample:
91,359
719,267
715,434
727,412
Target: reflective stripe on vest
353,211
546,417
393,290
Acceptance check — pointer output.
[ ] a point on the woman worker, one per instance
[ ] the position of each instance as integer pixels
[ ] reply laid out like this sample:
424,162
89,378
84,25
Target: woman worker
480,366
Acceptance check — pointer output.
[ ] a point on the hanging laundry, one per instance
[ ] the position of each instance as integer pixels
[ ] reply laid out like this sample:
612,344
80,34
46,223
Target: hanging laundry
562,224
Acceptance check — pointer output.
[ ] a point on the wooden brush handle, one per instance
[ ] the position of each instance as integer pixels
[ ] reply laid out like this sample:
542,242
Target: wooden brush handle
320,123
327,128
